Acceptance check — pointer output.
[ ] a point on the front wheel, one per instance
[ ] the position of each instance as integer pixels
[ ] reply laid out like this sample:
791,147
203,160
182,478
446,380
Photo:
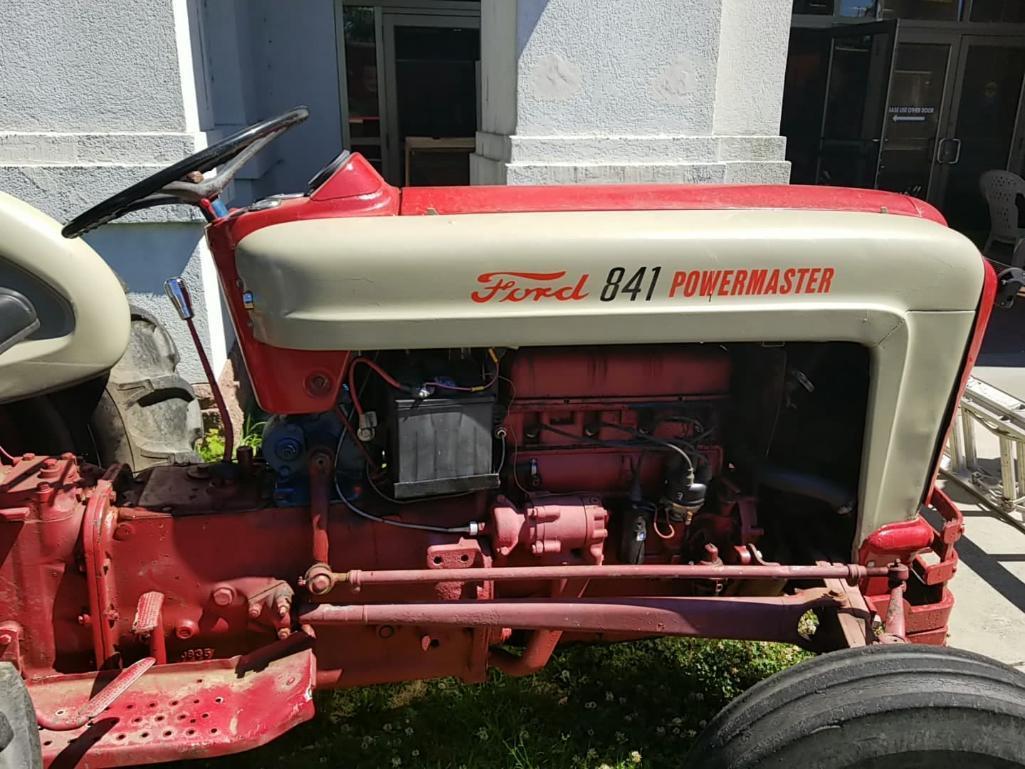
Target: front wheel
876,707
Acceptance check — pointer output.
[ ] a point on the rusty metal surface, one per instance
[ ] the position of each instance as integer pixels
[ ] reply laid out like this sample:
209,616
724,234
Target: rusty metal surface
849,572
741,618
67,719
188,710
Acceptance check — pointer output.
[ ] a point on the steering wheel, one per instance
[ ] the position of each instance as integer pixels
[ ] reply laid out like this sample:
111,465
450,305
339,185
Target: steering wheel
174,185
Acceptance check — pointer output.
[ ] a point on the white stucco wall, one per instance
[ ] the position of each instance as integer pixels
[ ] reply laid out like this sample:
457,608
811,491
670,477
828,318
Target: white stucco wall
750,73
632,91
94,97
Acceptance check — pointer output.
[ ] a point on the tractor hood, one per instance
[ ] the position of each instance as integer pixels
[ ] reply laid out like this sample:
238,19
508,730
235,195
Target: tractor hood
905,287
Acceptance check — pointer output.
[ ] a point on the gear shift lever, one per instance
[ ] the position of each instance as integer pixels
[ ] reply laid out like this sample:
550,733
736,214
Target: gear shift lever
178,292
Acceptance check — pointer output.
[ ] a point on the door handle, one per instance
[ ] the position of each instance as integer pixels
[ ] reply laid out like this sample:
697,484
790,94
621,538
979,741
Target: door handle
946,153
957,151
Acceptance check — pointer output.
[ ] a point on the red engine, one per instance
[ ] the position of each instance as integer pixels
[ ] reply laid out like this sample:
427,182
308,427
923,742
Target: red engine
433,460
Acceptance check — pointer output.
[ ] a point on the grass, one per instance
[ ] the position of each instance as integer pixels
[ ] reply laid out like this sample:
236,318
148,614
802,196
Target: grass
594,707
211,446
616,706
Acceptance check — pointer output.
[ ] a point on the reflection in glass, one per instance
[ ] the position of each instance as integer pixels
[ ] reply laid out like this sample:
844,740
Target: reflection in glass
912,119
861,9
814,7
934,10
855,99
361,82
986,112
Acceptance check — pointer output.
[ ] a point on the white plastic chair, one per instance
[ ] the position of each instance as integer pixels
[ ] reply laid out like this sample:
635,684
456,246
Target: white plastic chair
1001,189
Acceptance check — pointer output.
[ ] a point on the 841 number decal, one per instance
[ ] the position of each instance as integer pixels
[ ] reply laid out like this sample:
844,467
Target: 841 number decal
641,284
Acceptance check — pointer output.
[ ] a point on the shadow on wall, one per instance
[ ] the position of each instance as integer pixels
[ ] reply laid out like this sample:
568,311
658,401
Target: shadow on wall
143,256
253,59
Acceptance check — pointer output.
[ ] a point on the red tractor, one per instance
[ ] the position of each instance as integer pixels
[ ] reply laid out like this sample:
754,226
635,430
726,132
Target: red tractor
503,419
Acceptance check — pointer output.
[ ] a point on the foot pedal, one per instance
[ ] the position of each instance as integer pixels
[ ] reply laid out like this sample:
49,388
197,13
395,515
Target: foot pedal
148,624
147,613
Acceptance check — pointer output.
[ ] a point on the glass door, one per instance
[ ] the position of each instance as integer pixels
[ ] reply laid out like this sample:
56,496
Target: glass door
860,60
984,127
432,75
913,116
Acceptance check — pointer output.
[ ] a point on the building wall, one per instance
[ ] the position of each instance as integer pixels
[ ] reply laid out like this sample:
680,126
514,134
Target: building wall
632,91
95,96
261,58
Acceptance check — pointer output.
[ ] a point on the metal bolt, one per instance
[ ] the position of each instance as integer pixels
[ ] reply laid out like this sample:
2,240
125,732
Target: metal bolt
84,619
282,605
284,632
185,629
318,384
319,584
254,610
287,449
223,595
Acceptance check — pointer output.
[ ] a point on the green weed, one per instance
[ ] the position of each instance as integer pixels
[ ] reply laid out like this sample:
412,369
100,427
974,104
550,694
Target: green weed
618,706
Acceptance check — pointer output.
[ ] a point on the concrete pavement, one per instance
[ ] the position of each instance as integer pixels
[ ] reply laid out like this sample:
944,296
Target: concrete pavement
989,588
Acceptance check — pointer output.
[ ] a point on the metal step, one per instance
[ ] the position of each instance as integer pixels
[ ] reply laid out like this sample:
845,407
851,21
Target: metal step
178,711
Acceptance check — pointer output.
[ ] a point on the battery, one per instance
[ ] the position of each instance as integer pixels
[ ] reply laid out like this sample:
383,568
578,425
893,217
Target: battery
443,445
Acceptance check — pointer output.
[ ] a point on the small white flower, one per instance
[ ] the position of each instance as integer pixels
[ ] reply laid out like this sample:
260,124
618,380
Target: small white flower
482,733
610,697
396,761
409,731
590,705
620,737
415,753
635,756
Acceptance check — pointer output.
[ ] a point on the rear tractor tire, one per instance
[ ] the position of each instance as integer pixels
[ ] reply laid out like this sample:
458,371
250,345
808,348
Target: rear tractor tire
147,415
877,707
19,735
141,413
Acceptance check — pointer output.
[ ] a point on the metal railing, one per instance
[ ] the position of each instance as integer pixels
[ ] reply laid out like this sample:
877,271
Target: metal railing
999,485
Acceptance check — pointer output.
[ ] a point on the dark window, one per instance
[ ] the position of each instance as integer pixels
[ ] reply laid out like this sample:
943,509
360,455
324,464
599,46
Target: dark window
999,10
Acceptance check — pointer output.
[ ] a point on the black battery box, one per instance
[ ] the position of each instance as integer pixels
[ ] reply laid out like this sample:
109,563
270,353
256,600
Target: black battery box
443,445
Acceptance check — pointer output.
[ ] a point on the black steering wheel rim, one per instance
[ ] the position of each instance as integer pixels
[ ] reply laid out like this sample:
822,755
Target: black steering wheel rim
132,198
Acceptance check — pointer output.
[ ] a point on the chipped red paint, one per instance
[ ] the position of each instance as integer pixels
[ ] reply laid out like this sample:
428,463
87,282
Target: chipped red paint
174,712
933,561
